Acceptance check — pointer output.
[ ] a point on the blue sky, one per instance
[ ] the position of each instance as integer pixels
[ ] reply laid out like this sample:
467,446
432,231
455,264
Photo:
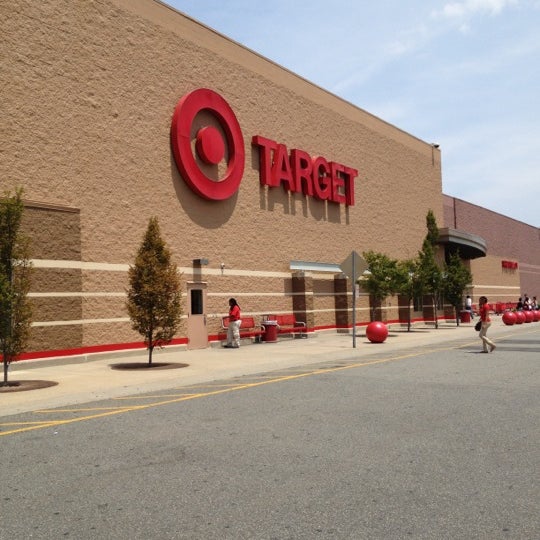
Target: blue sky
464,74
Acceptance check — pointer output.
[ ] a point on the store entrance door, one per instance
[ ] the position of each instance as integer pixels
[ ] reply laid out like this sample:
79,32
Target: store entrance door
197,332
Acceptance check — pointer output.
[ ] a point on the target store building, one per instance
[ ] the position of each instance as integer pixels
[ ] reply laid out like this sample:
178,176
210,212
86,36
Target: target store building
114,111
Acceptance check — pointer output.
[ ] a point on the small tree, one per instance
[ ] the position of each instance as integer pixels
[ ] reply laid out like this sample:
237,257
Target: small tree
429,273
382,280
154,297
457,278
432,235
409,285
15,278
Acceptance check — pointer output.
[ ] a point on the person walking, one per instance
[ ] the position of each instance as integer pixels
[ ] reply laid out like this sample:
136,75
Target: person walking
484,308
233,330
468,306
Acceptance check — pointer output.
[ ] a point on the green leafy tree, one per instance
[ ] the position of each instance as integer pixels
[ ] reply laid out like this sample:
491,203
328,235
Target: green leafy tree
382,280
154,297
432,229
457,278
429,275
428,271
409,284
15,280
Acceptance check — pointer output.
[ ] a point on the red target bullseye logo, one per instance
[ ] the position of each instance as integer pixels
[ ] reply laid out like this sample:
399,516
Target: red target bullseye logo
210,146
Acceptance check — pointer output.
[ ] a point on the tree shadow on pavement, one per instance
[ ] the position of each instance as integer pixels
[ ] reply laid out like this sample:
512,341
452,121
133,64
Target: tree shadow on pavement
146,365
22,386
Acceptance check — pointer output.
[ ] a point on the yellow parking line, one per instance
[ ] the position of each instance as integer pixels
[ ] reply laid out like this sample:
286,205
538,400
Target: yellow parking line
210,385
48,411
154,397
233,388
24,423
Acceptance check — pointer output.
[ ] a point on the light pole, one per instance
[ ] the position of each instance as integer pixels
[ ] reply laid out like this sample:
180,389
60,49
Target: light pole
411,296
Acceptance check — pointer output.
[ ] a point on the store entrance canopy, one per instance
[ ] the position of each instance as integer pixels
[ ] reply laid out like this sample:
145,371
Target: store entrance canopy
307,266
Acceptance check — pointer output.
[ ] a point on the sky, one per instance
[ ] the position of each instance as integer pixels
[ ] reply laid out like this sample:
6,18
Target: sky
463,74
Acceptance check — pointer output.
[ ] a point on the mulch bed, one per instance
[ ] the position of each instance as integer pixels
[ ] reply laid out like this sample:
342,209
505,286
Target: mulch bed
146,365
22,386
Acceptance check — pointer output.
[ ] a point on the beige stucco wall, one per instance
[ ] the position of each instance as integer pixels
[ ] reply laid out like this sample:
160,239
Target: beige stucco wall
492,280
506,240
89,88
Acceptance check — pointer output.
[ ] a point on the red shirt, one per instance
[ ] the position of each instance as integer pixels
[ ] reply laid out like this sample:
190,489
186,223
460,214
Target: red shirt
234,313
484,313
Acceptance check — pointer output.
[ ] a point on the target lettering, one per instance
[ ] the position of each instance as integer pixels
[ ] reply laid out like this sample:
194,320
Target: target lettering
299,172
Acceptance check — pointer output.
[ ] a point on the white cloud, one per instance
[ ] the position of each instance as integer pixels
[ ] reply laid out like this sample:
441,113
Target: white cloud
468,8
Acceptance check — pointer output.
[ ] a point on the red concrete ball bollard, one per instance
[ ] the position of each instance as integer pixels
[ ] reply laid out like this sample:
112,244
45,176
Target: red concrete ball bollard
377,332
536,315
529,316
509,318
520,317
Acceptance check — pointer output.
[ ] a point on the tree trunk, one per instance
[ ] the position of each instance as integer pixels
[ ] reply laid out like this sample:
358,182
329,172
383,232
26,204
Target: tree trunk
5,362
150,345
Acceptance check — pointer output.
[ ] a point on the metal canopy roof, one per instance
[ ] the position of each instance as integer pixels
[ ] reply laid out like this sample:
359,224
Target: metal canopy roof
308,266
470,246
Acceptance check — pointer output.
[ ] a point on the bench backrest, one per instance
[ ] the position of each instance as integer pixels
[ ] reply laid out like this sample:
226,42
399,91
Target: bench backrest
283,320
247,322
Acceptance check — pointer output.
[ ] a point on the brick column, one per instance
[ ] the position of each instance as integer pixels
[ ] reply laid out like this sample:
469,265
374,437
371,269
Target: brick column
302,288
342,307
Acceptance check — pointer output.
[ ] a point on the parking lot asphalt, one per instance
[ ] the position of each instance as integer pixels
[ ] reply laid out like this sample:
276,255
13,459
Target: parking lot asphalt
85,378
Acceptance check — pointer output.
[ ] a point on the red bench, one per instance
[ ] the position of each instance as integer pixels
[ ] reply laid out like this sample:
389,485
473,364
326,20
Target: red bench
501,307
248,328
287,324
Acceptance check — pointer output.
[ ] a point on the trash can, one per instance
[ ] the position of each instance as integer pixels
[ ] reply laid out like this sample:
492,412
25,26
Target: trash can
465,316
270,331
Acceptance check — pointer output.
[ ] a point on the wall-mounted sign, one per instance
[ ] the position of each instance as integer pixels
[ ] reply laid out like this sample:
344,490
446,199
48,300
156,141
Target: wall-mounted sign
209,144
512,265
301,173
194,145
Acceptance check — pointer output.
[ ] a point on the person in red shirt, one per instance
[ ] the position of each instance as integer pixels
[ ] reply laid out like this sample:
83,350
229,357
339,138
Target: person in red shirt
233,330
486,323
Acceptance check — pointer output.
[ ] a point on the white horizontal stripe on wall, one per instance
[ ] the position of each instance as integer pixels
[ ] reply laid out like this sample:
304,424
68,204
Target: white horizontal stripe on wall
509,297
243,273
74,294
79,265
81,321
216,295
214,316
251,294
495,287
188,270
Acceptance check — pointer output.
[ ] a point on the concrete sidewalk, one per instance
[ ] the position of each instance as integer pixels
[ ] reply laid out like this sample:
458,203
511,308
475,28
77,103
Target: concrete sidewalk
89,377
